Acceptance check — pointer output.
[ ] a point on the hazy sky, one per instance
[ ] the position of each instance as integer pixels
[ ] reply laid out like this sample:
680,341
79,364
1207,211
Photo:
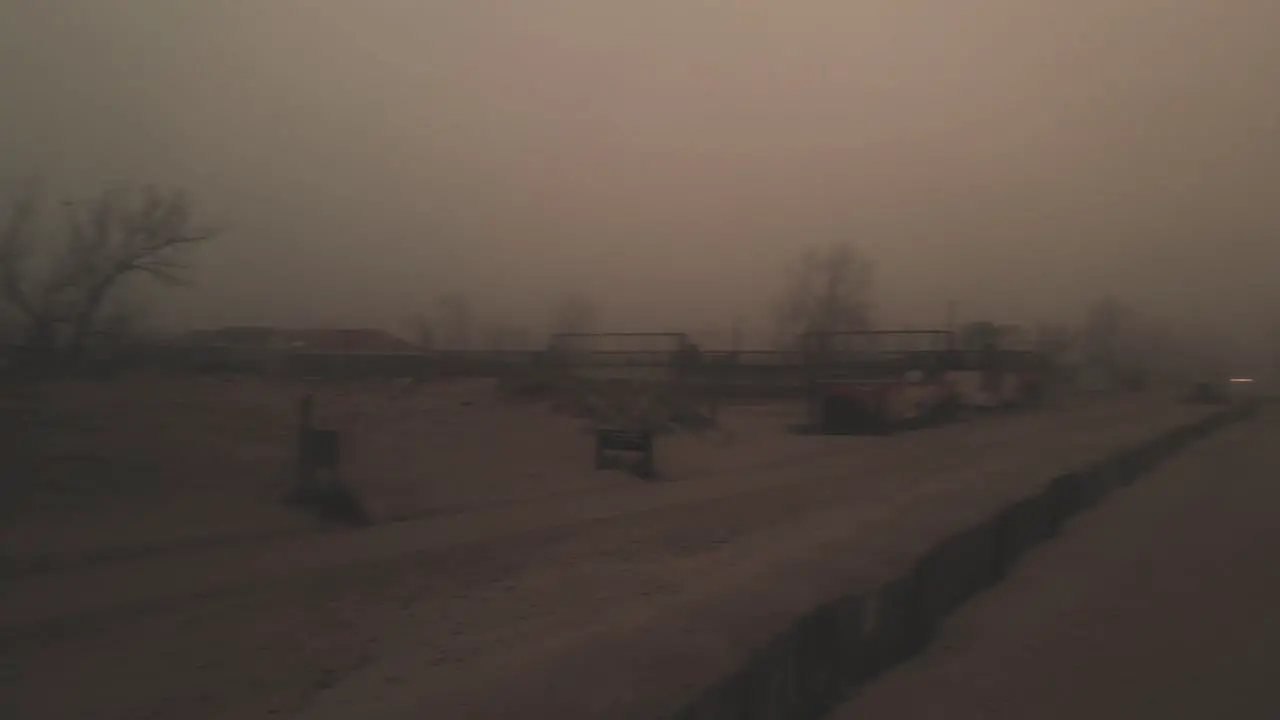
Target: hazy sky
669,155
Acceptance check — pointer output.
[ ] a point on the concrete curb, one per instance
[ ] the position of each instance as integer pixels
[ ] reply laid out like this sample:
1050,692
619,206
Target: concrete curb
809,667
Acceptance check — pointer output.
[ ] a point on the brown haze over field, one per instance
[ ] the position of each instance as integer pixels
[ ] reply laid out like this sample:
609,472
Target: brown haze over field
1021,158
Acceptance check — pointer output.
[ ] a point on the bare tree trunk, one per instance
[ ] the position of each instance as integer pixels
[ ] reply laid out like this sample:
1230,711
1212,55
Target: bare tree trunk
110,238
88,314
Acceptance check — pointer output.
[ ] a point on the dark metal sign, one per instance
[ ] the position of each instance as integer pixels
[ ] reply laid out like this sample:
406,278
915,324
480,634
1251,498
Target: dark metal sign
625,441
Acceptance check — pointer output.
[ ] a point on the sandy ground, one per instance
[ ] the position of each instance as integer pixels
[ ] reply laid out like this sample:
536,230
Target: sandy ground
98,470
1161,603
432,609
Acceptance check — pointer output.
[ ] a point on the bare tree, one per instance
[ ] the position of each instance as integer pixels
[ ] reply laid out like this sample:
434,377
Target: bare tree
456,321
1055,341
523,338
30,309
1273,354
828,290
1103,327
574,312
502,335
1145,346
423,331
979,334
737,333
59,286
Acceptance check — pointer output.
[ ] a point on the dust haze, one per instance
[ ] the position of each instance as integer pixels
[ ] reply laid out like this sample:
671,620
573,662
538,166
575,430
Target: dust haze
667,158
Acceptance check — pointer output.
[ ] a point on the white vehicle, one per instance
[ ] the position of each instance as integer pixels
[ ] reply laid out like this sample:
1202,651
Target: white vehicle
1242,389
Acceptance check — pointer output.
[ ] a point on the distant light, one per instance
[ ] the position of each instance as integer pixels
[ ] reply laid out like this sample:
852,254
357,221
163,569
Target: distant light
1241,379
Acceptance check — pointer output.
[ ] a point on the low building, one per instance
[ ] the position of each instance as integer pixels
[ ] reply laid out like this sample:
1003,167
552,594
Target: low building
237,348
344,341
265,349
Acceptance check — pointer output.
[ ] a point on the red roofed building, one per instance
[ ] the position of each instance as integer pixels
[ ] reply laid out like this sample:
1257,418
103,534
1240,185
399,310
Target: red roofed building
343,341
267,349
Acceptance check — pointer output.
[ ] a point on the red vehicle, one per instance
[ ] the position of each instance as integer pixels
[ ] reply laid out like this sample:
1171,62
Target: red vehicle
881,381
993,378
878,381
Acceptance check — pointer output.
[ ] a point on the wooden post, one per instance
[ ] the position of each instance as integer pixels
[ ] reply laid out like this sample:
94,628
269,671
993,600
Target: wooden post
600,450
325,454
715,385
647,464
306,471
319,457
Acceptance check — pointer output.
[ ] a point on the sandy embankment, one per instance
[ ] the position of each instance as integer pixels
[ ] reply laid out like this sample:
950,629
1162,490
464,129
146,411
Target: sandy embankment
1160,603
415,613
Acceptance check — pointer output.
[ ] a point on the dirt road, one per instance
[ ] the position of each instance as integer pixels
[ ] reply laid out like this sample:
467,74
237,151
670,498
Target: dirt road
434,613
1161,603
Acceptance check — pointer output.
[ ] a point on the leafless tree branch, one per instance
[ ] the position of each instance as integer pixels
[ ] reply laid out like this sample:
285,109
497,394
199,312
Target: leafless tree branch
573,312
828,290
104,240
